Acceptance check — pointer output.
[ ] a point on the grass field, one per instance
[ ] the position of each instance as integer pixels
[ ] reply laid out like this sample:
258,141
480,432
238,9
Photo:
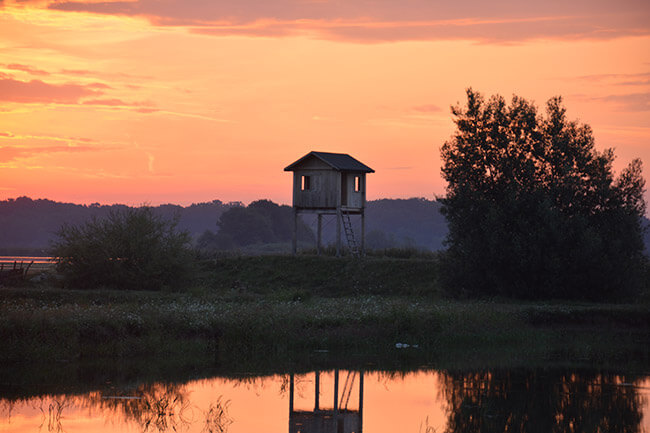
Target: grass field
67,326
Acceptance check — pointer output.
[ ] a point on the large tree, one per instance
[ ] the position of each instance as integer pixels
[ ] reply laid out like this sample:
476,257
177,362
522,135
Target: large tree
534,210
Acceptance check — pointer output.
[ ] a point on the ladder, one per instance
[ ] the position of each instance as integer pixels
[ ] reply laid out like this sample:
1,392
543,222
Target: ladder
349,234
347,389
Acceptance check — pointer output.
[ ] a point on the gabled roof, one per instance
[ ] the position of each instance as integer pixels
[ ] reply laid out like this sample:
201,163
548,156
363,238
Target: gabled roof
338,161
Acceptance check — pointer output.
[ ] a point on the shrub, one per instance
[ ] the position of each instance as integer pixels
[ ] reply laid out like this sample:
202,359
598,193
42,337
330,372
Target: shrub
131,249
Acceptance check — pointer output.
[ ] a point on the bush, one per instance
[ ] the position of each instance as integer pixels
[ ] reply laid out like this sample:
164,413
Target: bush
131,249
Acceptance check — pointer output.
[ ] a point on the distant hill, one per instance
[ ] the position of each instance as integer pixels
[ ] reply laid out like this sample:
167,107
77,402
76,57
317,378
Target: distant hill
28,226
414,222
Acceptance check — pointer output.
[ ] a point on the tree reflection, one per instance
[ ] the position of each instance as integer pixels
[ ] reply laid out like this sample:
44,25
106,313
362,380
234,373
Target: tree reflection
540,401
154,407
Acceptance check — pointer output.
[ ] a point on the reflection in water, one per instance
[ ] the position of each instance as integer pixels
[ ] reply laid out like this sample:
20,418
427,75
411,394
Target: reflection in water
338,418
159,407
346,402
52,415
525,401
216,417
426,427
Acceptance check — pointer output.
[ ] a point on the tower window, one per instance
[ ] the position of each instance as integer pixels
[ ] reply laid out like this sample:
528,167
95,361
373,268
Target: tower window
357,183
305,183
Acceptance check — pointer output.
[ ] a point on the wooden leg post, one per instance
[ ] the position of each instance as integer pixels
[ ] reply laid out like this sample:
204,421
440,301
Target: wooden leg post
336,392
294,240
338,232
363,233
360,401
320,233
317,392
290,394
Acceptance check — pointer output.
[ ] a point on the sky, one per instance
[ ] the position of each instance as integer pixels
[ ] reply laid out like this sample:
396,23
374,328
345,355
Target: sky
187,101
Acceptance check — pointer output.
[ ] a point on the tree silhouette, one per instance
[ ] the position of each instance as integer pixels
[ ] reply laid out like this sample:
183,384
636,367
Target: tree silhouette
534,210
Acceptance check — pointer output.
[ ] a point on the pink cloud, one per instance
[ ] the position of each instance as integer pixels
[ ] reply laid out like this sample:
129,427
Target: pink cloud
10,153
26,68
90,73
146,110
372,21
107,102
81,72
642,79
427,108
98,86
630,102
12,90
140,107
83,139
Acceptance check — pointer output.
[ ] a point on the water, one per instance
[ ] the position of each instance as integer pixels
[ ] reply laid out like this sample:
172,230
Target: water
35,263
425,401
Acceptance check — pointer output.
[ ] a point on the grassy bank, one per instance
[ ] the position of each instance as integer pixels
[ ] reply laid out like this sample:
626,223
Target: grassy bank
254,331
274,314
307,275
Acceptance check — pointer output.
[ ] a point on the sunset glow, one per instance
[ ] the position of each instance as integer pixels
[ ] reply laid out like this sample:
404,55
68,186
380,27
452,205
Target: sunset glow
181,102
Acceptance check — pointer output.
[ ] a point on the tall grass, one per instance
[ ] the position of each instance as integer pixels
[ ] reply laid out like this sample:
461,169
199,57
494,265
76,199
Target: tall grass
258,330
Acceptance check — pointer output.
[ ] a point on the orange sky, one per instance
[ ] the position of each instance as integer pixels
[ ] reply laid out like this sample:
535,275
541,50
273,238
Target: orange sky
187,101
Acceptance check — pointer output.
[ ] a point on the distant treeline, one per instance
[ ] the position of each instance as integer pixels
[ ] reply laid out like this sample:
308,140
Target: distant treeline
28,226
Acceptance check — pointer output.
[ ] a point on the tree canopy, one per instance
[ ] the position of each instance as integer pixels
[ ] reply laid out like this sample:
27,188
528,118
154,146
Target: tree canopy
534,209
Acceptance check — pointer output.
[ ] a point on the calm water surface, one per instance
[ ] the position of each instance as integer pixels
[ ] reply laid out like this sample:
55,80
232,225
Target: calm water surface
380,402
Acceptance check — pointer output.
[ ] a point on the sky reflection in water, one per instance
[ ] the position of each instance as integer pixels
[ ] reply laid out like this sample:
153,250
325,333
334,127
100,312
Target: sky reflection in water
418,402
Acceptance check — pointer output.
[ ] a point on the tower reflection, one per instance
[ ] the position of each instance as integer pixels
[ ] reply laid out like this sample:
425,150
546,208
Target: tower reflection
335,419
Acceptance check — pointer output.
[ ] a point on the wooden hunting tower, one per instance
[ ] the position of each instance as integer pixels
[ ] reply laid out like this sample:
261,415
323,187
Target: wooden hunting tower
330,184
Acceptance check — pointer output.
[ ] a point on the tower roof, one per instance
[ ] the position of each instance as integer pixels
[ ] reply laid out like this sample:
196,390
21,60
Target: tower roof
338,161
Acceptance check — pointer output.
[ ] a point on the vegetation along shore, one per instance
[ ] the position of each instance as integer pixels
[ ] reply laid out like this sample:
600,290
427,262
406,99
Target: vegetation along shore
251,313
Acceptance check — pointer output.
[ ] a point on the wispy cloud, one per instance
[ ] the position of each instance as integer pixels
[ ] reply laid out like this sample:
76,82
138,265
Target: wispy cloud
15,146
119,103
427,108
92,94
632,102
372,21
11,153
26,68
639,79
70,141
102,86
409,167
94,73
114,103
37,91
